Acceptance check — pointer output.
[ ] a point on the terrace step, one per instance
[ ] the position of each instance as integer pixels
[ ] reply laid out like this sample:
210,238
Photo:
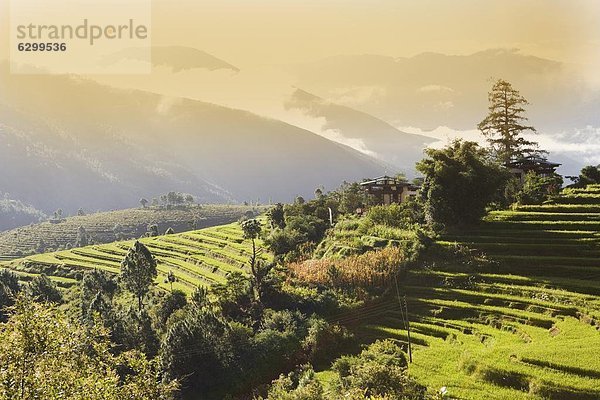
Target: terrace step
539,249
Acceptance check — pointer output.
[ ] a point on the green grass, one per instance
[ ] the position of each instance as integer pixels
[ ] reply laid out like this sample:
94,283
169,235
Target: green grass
532,330
498,337
197,258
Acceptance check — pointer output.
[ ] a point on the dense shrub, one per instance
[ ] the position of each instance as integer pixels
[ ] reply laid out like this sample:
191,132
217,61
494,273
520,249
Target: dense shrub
379,370
460,182
404,215
43,289
537,189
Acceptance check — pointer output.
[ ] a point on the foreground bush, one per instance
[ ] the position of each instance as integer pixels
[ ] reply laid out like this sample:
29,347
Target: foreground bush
379,372
45,356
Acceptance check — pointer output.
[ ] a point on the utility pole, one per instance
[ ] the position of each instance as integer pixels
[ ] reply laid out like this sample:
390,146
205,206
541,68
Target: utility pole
404,313
408,329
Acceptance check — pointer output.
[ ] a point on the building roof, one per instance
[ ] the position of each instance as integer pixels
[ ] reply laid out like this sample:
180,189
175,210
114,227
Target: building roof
388,180
532,161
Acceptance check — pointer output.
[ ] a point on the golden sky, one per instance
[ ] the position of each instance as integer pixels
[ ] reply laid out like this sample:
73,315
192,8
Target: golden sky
280,31
258,32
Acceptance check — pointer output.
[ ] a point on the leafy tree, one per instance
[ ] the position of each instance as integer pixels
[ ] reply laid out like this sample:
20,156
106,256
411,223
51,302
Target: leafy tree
197,349
318,193
276,216
175,198
138,271
46,356
236,299
460,181
351,196
171,278
143,202
9,288
172,302
297,385
152,230
97,291
537,188
588,175
43,289
133,330
258,268
10,280
505,123
283,241
82,237
41,246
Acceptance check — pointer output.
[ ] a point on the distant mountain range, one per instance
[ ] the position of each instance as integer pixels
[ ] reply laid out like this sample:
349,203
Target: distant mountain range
67,142
383,141
178,58
432,89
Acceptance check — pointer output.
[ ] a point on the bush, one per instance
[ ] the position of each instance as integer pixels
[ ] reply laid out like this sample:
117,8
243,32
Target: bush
324,341
297,385
379,370
43,289
460,182
537,189
404,215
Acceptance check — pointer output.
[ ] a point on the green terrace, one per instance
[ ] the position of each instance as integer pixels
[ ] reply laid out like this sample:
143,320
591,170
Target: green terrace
528,330
106,227
493,337
558,239
197,258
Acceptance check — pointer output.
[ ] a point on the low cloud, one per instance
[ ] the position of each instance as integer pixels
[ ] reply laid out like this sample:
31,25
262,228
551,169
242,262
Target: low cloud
435,89
356,95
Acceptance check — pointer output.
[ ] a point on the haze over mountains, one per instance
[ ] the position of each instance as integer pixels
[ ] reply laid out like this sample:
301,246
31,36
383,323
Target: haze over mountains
104,148
224,133
434,95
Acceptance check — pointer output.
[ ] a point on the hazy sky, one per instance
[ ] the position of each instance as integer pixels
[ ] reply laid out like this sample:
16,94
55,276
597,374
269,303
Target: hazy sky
257,32
266,31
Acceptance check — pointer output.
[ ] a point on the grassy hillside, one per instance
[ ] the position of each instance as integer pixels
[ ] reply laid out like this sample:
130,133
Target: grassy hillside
107,227
530,330
197,258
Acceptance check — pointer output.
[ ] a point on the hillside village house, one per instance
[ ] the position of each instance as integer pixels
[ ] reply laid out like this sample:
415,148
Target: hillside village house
387,190
540,165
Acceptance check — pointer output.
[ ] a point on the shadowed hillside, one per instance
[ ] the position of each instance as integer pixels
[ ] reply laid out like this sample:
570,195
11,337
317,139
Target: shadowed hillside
398,148
102,148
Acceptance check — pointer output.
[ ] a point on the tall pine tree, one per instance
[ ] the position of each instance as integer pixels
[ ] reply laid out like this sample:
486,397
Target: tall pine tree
506,122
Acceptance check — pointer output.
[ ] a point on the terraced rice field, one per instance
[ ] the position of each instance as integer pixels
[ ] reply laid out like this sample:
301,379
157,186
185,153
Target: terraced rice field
530,330
106,227
197,258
